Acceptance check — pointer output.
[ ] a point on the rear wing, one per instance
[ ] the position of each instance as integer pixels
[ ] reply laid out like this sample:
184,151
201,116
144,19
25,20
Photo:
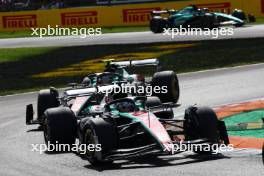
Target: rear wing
138,63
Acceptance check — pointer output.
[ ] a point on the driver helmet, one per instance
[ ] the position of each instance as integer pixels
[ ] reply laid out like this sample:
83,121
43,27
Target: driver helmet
86,81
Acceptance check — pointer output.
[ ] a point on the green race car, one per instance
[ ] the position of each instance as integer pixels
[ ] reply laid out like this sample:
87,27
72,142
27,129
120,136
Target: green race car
192,17
115,73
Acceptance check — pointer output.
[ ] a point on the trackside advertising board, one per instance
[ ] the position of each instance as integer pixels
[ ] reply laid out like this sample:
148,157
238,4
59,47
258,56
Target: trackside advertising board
118,15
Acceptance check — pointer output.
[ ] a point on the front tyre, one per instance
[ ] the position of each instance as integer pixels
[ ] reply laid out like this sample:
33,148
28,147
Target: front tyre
201,123
100,133
60,125
168,82
157,24
47,98
155,103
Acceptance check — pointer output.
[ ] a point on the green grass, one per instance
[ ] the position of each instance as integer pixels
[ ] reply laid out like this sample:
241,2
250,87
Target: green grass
17,66
15,34
16,54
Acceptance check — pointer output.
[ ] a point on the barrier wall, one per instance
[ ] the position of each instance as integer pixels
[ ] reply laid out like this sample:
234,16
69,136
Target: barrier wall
118,15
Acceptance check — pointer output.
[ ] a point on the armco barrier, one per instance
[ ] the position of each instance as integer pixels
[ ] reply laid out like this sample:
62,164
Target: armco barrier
118,15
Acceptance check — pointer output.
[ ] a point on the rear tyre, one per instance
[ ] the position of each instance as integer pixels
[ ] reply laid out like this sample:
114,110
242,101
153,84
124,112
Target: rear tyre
157,24
59,126
47,98
102,134
153,102
202,123
166,80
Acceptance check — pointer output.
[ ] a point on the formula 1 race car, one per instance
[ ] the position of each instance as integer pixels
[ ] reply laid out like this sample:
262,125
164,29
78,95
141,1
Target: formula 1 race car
192,17
80,100
115,73
100,88
133,126
103,82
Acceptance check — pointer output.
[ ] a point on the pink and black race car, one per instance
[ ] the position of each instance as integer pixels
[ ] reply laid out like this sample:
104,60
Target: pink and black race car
135,126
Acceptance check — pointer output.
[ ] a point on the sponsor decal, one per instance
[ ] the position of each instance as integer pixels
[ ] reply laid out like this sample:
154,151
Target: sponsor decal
20,21
141,15
224,7
79,18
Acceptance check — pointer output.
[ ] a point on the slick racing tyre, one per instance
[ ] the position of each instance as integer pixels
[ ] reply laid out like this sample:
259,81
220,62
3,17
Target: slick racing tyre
102,134
163,113
169,81
201,123
157,24
59,126
47,98
153,102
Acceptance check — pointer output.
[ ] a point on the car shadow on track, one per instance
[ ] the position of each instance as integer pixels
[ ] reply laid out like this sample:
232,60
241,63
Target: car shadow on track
154,162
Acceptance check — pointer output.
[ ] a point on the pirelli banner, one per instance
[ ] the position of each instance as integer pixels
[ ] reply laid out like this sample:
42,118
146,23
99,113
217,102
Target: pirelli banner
118,15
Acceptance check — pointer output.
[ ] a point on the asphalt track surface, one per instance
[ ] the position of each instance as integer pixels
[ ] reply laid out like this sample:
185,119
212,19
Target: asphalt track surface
255,31
204,88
